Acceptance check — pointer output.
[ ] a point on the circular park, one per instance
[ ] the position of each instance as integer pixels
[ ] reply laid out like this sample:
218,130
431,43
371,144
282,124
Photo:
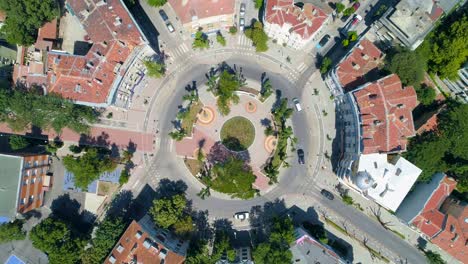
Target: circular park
238,133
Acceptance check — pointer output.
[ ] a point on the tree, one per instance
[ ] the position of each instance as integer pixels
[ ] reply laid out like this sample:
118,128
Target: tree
224,87
200,41
258,3
183,227
168,211
339,7
345,42
233,30
88,167
54,237
18,142
426,95
258,36
434,257
352,35
53,146
409,66
178,135
105,236
446,149
317,231
222,246
347,199
325,66
25,17
124,176
21,110
233,177
155,69
348,11
157,3
276,249
12,231
220,39
446,46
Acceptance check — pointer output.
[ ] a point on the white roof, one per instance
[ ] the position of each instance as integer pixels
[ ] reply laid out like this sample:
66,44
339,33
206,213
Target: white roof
391,182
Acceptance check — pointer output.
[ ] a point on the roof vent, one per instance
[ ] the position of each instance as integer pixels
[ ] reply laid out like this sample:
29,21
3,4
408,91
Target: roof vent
78,88
372,96
118,21
101,3
452,228
314,12
99,81
90,64
365,56
403,119
400,106
377,122
360,47
398,172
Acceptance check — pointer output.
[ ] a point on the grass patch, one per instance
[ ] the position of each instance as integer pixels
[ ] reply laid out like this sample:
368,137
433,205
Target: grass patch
193,165
398,234
238,133
336,226
191,118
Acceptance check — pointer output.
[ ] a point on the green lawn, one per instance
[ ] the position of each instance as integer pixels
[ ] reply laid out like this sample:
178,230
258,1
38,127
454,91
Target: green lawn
187,123
238,133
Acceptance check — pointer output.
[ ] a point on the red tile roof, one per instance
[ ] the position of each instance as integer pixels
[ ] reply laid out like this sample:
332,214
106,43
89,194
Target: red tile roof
364,58
305,22
430,221
48,30
386,112
131,247
90,78
429,125
188,9
454,238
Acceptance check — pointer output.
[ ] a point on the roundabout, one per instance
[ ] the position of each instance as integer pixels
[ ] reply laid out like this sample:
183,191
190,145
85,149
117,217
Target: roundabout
293,180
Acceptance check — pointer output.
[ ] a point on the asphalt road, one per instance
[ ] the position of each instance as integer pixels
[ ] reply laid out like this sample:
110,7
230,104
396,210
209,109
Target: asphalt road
297,180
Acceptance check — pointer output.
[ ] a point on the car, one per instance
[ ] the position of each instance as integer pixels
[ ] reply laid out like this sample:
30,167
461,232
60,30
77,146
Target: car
170,27
241,24
323,41
356,6
297,105
327,194
356,20
300,156
163,15
242,10
242,216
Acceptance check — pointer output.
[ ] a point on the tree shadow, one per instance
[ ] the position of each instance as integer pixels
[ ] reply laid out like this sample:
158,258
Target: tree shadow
260,217
202,226
168,188
278,96
266,122
114,151
101,141
69,211
120,205
219,153
32,214
222,224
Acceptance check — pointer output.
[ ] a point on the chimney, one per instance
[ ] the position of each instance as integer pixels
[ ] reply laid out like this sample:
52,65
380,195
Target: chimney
365,56
118,21
360,46
355,66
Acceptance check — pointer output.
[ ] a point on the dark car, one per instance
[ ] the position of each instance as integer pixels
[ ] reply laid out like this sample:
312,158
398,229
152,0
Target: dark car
323,41
327,194
163,15
356,6
300,156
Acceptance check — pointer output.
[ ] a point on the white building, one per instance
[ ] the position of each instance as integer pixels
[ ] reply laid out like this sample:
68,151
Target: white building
384,181
292,25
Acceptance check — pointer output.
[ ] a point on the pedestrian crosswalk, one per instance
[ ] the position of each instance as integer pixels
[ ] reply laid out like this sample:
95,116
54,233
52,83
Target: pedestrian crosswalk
301,67
179,51
244,42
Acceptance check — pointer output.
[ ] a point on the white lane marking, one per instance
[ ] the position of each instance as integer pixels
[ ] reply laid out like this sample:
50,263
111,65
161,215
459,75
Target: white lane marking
135,184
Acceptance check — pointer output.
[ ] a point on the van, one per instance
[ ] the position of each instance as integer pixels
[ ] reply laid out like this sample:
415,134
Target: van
297,104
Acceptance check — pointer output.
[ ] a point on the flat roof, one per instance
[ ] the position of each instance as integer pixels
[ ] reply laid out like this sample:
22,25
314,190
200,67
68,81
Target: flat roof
10,170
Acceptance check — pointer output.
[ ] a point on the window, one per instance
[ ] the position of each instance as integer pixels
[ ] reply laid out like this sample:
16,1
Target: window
26,182
31,198
34,172
120,248
28,172
23,201
36,163
138,234
112,259
33,180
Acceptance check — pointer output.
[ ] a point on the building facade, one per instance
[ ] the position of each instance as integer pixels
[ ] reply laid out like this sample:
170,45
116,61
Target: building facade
210,15
292,25
307,250
25,180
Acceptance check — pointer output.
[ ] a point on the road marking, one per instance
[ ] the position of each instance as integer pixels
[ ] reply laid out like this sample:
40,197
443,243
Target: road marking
301,67
135,184
170,146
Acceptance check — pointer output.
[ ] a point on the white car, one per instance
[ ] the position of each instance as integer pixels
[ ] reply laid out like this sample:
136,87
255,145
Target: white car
242,216
297,104
242,10
241,24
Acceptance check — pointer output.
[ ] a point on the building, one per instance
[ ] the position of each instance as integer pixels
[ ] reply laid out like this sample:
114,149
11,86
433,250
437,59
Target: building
377,118
410,21
24,180
459,88
360,65
292,25
386,182
437,216
307,250
101,74
210,15
142,242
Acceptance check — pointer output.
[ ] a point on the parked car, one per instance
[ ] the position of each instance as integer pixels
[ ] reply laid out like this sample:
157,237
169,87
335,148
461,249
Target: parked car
242,10
300,156
356,6
170,27
327,194
323,41
297,104
242,216
163,15
241,24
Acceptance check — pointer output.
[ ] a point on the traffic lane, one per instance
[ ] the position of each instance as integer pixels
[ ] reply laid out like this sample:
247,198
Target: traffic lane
374,230
164,35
